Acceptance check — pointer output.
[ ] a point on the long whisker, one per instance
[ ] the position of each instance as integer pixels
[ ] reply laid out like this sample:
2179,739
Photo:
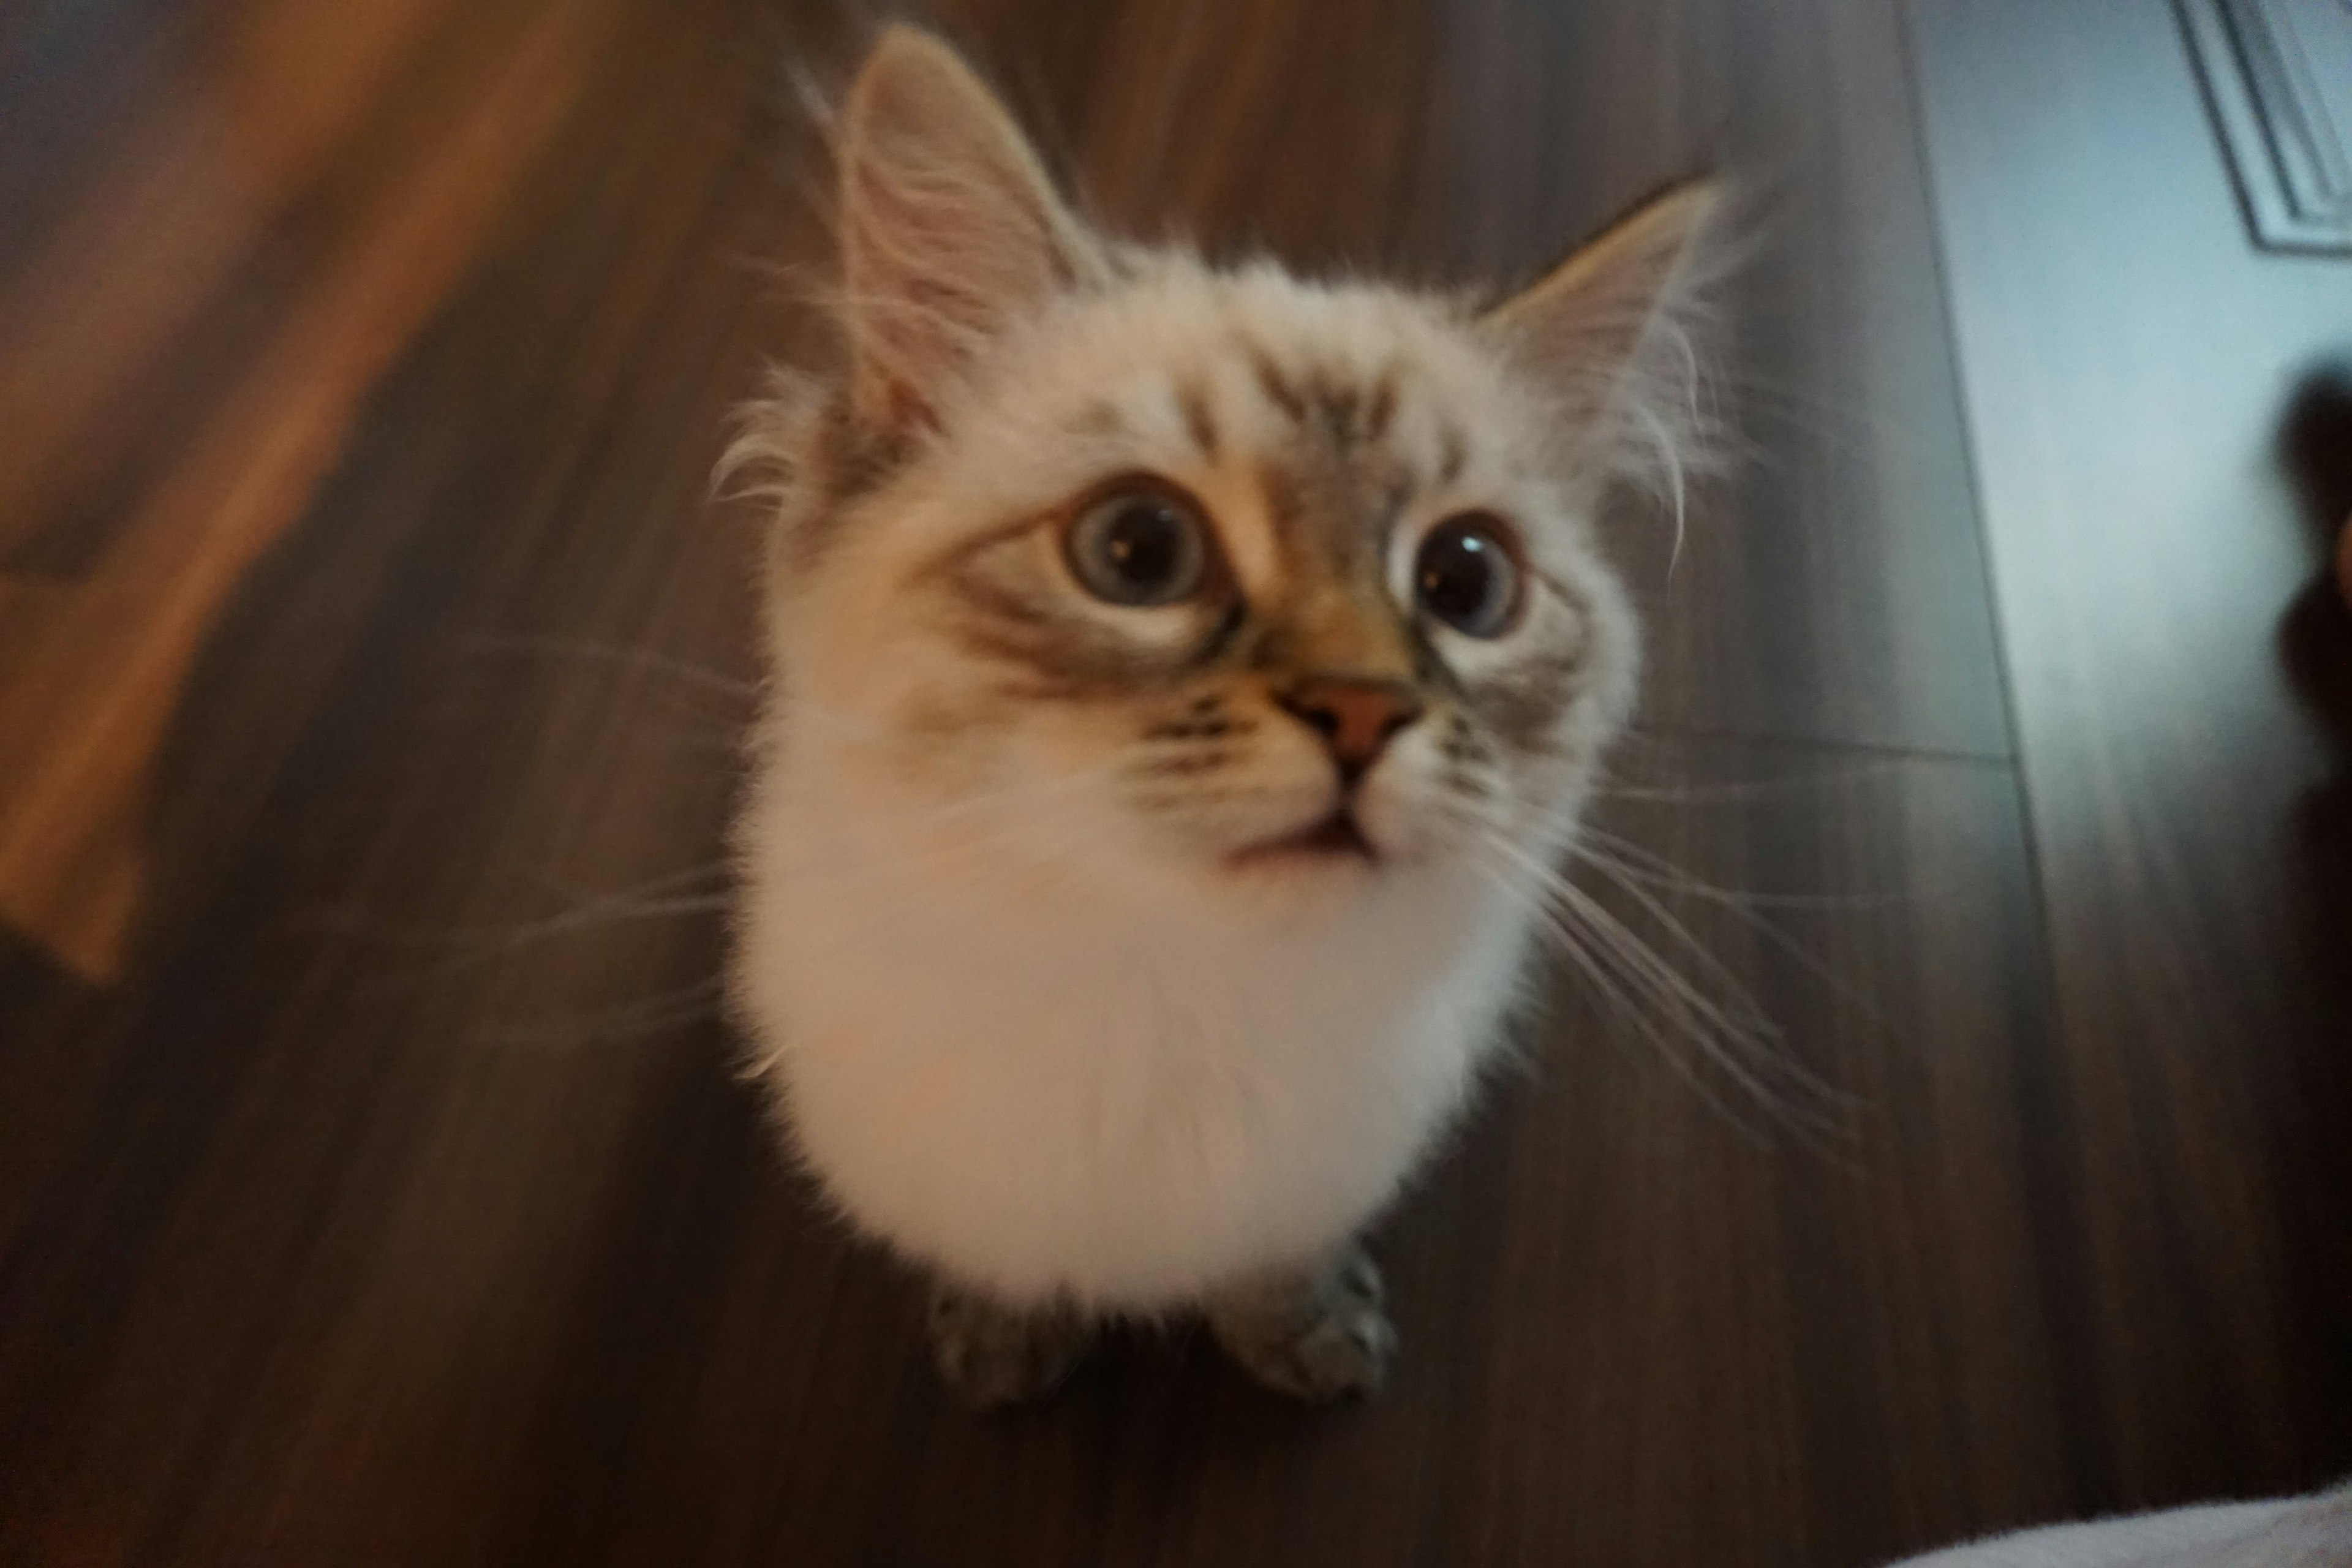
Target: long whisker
1610,787
1743,1010
1625,861
1739,906
1647,865
1620,998
1726,1038
644,660
1552,882
630,1022
466,947
645,899
1738,1039
1626,880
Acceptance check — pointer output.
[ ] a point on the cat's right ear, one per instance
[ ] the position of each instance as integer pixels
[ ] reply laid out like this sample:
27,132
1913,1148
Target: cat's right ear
950,228
1582,329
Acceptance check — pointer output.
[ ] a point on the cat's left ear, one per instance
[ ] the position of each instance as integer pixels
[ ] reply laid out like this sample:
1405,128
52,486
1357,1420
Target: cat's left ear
950,228
1580,329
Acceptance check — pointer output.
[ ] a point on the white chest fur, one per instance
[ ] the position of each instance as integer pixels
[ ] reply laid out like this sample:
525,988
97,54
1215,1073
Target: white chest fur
1040,1095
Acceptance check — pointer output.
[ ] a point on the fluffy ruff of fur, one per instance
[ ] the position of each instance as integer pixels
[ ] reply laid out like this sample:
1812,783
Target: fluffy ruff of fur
1051,1096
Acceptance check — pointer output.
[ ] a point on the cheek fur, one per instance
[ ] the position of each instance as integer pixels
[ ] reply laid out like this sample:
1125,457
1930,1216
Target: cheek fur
1220,761
1206,748
1559,690
1469,764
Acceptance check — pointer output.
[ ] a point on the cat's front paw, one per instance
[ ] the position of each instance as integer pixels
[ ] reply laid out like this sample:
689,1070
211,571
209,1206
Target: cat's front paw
993,1355
1316,1334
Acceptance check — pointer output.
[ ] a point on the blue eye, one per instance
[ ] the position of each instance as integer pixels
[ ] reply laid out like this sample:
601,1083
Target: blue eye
1468,576
1138,547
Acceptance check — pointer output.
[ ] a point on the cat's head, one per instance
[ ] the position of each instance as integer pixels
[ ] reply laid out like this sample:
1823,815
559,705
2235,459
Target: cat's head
1109,564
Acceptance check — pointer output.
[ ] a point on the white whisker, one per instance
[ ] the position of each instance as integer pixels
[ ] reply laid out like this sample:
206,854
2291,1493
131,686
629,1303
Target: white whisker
1734,1035
525,646
1621,1000
622,1025
464,947
1648,866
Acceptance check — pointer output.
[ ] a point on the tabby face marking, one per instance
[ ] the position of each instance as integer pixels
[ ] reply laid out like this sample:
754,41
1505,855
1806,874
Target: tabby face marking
1319,434
1011,368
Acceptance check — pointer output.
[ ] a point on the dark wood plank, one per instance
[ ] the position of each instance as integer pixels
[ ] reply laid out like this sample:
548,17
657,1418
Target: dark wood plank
2131,361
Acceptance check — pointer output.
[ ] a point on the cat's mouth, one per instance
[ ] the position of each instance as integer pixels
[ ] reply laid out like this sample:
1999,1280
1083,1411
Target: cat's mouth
1336,837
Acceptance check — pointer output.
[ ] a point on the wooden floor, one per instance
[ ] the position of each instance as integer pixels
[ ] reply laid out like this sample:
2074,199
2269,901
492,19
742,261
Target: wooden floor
373,1187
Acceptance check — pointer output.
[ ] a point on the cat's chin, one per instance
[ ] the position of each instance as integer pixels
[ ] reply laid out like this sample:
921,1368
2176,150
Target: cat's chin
1334,841
1333,850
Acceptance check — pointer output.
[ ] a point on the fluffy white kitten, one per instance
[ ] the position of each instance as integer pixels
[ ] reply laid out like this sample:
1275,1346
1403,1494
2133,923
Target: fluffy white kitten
1182,680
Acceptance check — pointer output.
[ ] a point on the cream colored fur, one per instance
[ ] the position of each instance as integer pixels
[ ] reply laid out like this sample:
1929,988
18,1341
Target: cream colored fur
1027,1019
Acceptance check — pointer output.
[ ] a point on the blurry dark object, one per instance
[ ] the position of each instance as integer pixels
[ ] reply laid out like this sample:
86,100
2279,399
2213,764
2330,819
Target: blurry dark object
2315,452
2278,74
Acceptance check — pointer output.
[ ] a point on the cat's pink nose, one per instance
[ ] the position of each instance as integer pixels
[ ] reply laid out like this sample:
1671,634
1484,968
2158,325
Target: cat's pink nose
1355,716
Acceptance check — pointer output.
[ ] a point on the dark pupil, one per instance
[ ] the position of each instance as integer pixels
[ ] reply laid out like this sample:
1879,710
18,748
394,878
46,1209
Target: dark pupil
1457,578
1145,546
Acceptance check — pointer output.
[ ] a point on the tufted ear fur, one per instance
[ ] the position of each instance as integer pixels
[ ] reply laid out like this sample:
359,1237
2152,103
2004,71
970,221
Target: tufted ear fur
951,229
1605,331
